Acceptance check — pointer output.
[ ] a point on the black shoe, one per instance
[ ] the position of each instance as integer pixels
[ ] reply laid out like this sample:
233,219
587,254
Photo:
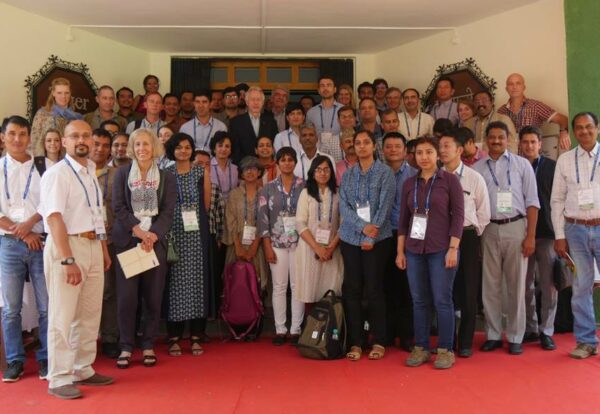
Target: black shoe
278,339
43,372
294,339
490,345
547,342
465,353
14,372
530,337
110,350
515,348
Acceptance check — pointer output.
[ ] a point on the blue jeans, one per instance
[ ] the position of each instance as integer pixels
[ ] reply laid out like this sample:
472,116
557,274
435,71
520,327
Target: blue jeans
584,248
17,261
431,284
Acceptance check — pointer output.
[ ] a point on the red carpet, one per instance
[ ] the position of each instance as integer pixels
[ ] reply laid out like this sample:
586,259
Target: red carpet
260,378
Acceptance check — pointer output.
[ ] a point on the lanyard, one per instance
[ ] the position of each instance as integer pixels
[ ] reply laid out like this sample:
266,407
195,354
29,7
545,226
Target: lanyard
462,169
209,132
289,139
539,161
408,126
286,206
180,191
330,210
87,196
358,175
507,173
149,125
219,180
246,206
415,204
439,105
26,192
576,164
332,117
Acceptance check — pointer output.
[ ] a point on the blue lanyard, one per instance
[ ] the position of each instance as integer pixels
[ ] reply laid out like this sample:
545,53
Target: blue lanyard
330,210
494,175
462,169
289,139
246,206
26,192
219,180
87,196
332,117
408,125
576,164
209,132
284,197
149,126
415,204
180,187
358,175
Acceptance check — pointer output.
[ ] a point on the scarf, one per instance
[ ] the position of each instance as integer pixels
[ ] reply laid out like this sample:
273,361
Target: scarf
144,196
66,113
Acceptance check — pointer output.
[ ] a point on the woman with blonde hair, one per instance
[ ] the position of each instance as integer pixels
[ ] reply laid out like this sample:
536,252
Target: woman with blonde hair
345,96
50,146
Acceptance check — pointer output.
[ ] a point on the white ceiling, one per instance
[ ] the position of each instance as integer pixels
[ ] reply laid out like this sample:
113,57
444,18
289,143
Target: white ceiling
265,26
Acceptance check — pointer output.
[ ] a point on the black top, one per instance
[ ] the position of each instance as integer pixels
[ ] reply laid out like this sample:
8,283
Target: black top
243,138
544,177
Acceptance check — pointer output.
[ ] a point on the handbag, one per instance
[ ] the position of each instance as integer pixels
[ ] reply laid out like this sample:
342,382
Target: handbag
172,255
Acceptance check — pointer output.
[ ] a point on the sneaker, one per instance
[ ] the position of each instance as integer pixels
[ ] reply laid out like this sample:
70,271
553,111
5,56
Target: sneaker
66,392
418,356
583,351
43,372
445,359
95,379
14,372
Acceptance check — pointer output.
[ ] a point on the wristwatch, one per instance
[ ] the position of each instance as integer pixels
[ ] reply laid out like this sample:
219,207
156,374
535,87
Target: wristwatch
68,261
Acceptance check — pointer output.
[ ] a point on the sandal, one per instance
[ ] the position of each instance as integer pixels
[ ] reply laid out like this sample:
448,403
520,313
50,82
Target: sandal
355,353
174,349
195,342
150,360
123,361
377,352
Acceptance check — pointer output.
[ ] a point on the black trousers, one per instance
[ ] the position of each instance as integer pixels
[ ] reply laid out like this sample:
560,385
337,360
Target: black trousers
364,271
467,286
399,309
175,329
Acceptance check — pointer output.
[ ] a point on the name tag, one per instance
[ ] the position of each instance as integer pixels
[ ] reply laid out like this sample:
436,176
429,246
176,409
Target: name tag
323,236
419,227
16,214
364,212
99,227
289,225
145,223
504,202
585,198
248,235
190,219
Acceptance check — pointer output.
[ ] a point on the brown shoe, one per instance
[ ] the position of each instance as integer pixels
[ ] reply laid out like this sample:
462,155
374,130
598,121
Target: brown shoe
583,351
418,356
66,392
445,359
95,380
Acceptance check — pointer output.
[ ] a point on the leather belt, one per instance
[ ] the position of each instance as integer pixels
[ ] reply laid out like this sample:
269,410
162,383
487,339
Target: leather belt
589,223
90,235
508,220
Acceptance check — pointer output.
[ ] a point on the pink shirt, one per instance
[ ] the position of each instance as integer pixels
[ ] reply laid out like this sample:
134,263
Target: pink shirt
340,169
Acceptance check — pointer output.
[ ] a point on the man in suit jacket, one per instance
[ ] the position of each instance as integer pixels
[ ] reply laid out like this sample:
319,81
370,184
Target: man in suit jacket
245,129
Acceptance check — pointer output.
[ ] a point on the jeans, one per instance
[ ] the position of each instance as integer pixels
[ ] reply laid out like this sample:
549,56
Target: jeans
17,261
584,248
431,283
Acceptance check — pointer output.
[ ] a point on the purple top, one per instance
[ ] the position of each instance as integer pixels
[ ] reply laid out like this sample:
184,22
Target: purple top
446,213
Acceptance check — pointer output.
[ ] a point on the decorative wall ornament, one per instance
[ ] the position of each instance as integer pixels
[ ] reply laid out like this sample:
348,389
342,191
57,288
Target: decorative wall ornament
468,80
83,87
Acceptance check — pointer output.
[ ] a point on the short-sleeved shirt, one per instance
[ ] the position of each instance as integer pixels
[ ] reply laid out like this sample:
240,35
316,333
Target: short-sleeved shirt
532,112
202,133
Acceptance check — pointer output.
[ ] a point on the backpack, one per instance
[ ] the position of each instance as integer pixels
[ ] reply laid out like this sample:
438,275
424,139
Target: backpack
324,335
40,164
241,307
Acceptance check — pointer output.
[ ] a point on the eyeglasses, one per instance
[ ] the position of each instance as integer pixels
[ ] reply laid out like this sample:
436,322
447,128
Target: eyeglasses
325,170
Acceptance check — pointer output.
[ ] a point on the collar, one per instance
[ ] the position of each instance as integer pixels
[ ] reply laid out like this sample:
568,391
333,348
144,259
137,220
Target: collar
581,152
252,117
78,167
456,171
199,123
11,161
509,107
102,172
303,154
505,154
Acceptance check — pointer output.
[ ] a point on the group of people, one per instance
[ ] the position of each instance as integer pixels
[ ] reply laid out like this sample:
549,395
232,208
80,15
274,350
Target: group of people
414,211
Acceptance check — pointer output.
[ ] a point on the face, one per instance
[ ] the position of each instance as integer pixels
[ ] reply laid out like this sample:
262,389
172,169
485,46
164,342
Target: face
364,146
444,90
306,104
142,148
483,104
202,160
250,174
16,139
368,111
125,99
106,100
411,100
231,100
171,106
347,145
515,85
327,88
585,131
202,106
322,173
470,149
426,156
410,157
286,164
78,140
308,139
154,105
264,148
530,146
223,149
449,150
390,123
497,141
187,102
62,95
279,98
366,92
464,112
255,101
119,147
347,120
216,103
113,129
380,90
101,150
344,97
151,85
52,143
393,100
394,150
295,118
183,151
164,134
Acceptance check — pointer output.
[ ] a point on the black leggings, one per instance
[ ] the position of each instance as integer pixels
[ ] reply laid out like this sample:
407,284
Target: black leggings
197,327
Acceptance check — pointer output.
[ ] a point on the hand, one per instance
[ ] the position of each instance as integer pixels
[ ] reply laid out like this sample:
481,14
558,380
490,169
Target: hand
451,258
401,261
73,274
528,246
33,241
371,230
21,230
147,246
270,255
366,246
152,237
322,253
561,247
565,140
251,252
107,260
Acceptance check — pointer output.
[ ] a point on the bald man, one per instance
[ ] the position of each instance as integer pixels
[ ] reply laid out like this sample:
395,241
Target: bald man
529,112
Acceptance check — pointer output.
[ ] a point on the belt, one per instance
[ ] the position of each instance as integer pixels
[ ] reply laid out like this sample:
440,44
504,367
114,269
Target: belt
90,235
589,223
469,228
508,220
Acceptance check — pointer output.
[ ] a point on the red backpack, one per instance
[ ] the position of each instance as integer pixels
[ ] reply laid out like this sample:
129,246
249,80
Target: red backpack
241,307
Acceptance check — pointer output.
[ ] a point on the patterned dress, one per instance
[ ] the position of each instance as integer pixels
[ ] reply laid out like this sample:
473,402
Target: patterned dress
188,282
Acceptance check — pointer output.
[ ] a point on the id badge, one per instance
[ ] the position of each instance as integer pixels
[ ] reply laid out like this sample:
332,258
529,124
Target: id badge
419,227
326,136
504,202
17,214
585,198
145,223
289,225
364,212
99,227
323,235
190,219
248,235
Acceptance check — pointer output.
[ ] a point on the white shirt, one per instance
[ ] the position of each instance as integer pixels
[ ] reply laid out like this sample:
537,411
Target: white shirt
411,128
18,175
64,194
202,133
565,190
284,138
477,199
304,163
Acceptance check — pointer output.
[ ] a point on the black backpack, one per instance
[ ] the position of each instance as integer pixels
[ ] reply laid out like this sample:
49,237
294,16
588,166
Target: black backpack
40,164
324,335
